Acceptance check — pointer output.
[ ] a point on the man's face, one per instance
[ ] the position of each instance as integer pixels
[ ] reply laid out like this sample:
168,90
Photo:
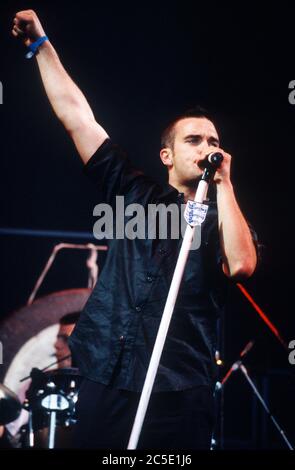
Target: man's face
61,345
194,139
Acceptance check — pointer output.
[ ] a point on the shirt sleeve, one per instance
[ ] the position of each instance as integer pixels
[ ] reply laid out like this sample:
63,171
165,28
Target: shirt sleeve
113,174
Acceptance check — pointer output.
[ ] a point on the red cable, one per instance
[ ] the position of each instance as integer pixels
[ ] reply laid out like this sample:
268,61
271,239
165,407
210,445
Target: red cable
262,315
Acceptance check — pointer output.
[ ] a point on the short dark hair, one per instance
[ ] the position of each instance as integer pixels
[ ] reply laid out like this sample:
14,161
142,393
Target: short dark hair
69,318
168,135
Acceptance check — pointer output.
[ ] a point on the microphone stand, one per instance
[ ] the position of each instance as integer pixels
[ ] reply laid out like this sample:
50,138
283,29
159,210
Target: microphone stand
215,160
252,385
238,365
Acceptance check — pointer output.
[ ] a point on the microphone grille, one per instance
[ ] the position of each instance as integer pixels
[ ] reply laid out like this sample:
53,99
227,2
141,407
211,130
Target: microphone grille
215,158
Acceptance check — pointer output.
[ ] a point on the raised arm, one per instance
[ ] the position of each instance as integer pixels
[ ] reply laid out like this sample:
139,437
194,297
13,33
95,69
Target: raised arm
66,99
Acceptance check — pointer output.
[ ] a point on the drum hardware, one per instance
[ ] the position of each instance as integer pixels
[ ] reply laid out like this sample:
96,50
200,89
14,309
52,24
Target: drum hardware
91,264
10,406
46,368
51,402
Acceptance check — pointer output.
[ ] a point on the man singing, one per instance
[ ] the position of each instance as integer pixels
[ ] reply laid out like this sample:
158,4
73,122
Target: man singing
114,338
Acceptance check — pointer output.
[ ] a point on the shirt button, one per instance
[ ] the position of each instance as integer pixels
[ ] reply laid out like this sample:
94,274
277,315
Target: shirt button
150,278
138,308
121,338
162,251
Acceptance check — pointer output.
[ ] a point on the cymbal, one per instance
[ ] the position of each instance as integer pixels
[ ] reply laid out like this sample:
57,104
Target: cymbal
10,406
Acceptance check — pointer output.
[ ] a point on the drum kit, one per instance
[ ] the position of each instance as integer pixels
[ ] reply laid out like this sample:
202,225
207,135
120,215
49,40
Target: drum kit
38,403
37,400
50,406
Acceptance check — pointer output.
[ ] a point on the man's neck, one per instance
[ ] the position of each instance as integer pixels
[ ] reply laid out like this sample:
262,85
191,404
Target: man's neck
188,191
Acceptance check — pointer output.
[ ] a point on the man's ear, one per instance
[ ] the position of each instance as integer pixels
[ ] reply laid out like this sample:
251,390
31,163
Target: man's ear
166,156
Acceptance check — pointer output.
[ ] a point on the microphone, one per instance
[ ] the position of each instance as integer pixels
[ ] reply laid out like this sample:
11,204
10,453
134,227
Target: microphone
210,164
213,159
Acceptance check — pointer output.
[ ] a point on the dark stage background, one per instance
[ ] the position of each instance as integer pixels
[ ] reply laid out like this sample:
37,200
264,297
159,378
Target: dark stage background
138,65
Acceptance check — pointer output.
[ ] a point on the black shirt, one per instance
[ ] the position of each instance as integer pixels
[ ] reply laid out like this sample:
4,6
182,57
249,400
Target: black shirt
115,334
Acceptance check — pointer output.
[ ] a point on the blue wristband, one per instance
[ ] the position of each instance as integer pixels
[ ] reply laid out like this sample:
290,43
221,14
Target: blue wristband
34,46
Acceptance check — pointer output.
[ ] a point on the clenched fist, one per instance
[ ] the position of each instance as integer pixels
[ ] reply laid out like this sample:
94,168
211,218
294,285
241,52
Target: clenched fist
26,26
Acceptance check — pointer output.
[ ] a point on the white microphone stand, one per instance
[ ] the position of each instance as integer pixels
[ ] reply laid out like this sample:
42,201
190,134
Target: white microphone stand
215,160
